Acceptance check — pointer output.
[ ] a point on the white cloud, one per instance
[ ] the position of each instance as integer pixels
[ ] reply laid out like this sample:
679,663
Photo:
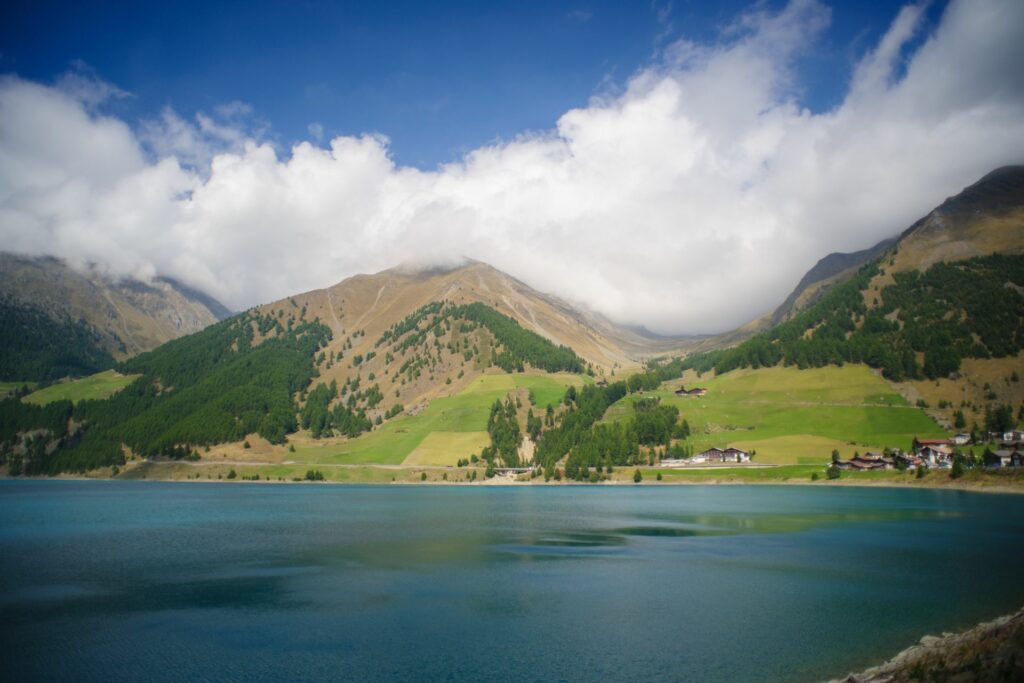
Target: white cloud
690,201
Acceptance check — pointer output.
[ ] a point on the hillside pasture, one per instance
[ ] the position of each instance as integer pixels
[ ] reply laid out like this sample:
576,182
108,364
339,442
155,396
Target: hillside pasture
458,423
99,386
795,417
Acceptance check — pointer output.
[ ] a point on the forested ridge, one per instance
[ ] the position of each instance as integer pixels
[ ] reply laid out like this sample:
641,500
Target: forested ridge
922,325
516,346
254,373
38,347
213,386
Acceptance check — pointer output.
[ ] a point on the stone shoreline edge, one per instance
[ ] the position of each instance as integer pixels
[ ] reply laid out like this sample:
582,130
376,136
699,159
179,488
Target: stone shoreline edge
989,652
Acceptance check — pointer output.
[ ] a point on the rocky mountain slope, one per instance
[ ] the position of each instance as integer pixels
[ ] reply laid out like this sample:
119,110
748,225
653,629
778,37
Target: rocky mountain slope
121,317
985,218
360,309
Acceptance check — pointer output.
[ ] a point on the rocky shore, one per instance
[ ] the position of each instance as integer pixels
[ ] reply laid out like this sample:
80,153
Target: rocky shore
990,652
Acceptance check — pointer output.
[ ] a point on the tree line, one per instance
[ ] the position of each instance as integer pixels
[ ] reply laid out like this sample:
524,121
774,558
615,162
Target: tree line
952,311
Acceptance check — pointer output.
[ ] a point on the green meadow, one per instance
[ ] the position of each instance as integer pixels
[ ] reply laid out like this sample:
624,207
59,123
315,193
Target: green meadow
101,385
448,429
795,417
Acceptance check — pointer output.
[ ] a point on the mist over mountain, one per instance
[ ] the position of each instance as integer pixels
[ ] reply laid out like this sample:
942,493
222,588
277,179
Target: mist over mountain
688,201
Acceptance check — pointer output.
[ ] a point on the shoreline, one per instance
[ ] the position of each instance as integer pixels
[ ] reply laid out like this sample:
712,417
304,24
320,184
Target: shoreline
945,485
990,651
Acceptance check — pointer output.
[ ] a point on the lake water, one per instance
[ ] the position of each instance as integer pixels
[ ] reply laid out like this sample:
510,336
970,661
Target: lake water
134,581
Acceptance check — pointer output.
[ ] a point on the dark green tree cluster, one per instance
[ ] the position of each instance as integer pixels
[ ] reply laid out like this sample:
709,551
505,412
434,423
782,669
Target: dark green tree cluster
514,346
999,419
321,420
210,387
950,312
655,424
603,446
37,347
503,427
519,345
588,406
27,432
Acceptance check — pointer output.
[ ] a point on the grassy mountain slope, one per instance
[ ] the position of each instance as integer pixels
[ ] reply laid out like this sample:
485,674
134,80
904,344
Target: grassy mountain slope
941,311
119,318
794,417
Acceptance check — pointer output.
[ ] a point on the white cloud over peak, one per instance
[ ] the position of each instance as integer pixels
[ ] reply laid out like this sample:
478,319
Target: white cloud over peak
689,202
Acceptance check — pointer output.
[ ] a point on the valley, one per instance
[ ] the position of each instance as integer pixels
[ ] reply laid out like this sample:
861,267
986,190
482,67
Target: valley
455,374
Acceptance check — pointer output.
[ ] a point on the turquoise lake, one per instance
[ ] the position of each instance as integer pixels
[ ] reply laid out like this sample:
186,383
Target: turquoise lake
130,581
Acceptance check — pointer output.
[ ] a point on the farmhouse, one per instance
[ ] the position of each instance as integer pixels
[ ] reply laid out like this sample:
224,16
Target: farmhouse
1013,435
696,392
868,461
910,462
719,455
1004,458
936,456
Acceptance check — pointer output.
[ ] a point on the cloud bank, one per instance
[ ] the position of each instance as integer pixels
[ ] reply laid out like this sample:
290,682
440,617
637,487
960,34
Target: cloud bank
689,202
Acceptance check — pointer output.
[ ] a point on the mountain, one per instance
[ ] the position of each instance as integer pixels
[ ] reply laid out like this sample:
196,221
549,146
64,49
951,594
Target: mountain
940,310
985,218
360,309
336,362
65,321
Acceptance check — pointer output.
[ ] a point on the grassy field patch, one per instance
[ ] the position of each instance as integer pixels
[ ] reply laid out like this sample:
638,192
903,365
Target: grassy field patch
466,412
447,448
792,416
99,386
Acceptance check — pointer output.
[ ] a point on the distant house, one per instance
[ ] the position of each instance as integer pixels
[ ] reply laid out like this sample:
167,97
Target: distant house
1004,458
868,461
719,455
962,439
910,462
602,382
1013,435
696,392
936,456
711,455
735,455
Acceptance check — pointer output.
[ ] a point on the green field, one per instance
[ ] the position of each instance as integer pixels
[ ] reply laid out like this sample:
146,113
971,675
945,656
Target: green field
464,413
98,386
796,417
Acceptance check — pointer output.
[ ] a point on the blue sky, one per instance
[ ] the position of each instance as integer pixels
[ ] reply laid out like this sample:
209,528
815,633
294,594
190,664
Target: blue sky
437,78
752,136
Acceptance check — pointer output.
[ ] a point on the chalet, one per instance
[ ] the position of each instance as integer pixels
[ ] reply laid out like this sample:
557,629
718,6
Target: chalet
908,461
602,382
719,455
711,455
1004,458
962,439
936,456
735,455
868,461
696,392
1013,435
